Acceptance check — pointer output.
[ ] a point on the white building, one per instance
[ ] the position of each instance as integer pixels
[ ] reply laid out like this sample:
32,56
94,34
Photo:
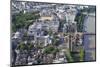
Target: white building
71,14
17,35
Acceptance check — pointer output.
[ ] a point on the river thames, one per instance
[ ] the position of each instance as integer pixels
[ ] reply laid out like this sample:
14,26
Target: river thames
89,38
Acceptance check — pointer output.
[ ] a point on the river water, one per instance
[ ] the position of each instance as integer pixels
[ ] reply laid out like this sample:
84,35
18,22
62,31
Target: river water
89,38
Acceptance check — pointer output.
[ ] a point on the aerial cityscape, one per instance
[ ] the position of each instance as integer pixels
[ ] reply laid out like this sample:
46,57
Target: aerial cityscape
52,33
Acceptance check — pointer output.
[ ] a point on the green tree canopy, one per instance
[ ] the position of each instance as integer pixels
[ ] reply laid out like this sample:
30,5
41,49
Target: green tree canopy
21,20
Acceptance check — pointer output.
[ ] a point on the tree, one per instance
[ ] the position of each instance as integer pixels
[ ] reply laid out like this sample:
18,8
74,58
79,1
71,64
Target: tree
21,46
30,46
80,20
21,20
81,54
55,40
69,56
51,49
